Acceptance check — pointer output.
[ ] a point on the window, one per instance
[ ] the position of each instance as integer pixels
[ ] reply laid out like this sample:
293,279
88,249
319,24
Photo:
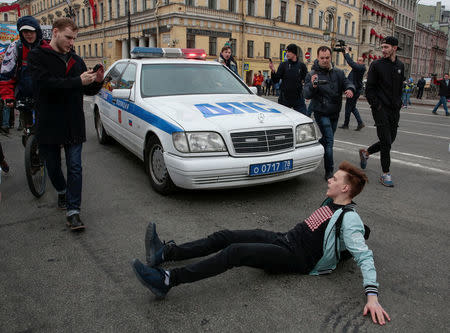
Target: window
282,48
283,11
134,6
250,7
268,9
101,49
128,77
249,49
346,27
337,58
118,8
83,17
321,20
266,50
213,46
212,4
353,28
5,17
90,50
330,25
109,9
310,17
189,2
232,6
114,75
89,17
298,14
363,36
102,12
339,25
144,4
84,50
79,50
190,41
233,45
96,50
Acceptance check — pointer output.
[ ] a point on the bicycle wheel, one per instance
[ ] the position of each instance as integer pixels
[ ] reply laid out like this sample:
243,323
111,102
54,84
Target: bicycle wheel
35,168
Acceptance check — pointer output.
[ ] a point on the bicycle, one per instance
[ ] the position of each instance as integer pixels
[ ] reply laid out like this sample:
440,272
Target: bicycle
35,168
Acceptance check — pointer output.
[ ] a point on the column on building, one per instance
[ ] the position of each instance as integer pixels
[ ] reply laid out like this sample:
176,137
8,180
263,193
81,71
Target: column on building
142,41
124,49
152,41
133,43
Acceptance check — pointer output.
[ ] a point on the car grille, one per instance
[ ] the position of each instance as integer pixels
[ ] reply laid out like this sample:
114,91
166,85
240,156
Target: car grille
262,141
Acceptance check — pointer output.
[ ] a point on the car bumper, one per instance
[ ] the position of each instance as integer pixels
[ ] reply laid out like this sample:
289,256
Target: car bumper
228,171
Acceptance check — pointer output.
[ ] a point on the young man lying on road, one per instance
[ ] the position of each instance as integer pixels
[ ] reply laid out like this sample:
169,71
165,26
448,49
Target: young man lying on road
309,248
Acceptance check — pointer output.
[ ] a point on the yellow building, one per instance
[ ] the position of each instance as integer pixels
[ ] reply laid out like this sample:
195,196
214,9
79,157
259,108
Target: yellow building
256,29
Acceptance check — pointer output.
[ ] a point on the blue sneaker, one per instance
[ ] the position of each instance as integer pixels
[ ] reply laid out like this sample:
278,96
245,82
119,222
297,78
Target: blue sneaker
363,156
386,180
152,278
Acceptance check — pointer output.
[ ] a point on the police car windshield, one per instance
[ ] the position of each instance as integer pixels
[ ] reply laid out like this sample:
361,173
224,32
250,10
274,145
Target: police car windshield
188,79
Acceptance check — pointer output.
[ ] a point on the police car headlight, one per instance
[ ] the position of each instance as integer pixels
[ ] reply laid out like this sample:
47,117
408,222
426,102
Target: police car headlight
305,133
198,142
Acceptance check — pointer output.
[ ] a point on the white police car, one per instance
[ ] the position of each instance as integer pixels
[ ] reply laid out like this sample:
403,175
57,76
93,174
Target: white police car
196,125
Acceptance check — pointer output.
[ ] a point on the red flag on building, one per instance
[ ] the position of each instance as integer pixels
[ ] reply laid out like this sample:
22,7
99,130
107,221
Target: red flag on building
94,11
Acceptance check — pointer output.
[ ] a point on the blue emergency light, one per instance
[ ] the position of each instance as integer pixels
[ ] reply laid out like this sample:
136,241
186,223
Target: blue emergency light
158,52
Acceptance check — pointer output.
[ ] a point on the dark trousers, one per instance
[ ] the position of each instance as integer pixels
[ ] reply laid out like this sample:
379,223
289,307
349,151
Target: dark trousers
386,121
52,156
298,105
350,107
420,93
2,156
254,248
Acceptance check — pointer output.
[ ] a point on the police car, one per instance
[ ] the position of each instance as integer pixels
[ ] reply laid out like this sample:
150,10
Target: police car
197,125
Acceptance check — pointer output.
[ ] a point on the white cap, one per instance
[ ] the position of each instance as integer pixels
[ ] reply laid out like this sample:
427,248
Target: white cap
27,27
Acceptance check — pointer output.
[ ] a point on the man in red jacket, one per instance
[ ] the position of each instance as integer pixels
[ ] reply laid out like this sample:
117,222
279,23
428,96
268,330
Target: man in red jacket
60,79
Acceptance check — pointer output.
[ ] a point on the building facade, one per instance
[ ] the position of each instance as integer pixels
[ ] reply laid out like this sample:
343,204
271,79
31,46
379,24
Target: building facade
377,21
430,47
256,29
405,26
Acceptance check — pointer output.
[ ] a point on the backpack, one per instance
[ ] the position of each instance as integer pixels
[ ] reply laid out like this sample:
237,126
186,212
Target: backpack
24,88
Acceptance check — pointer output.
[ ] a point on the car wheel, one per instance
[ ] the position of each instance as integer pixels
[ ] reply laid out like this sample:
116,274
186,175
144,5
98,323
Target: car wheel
156,167
102,137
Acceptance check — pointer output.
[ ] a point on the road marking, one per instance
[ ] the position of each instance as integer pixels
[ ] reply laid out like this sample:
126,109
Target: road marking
407,113
424,122
394,151
410,164
415,133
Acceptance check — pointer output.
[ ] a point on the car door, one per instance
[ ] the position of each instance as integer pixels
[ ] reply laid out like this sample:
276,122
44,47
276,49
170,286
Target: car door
111,114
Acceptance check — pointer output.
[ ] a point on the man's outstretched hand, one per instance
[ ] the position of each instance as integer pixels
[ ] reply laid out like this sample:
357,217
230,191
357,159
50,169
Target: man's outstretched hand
376,310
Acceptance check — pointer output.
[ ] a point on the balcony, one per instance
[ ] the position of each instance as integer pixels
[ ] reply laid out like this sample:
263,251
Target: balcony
206,12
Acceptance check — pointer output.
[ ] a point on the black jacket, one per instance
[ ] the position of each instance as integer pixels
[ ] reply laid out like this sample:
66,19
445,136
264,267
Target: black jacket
444,90
357,73
384,83
58,95
326,99
292,75
421,83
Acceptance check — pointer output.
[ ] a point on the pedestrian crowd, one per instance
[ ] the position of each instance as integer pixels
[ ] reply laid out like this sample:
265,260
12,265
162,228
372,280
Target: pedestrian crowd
54,78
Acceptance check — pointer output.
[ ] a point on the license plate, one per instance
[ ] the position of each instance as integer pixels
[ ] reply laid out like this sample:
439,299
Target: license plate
268,168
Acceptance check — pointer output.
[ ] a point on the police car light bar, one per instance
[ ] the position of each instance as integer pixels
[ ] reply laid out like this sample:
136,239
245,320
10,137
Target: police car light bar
172,53
147,52
199,54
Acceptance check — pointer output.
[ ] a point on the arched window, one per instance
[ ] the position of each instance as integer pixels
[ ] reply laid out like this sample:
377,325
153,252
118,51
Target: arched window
5,17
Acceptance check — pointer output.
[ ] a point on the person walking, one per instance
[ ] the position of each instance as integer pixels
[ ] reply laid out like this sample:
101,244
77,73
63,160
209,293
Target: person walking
60,78
227,59
292,74
384,91
268,85
15,75
3,164
444,94
420,87
257,82
312,247
356,77
324,86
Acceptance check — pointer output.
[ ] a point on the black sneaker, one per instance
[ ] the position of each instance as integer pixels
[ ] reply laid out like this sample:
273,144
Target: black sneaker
360,127
62,202
74,222
344,126
152,278
152,245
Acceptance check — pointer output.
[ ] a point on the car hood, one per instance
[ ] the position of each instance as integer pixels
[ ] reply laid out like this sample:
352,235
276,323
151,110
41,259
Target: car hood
223,112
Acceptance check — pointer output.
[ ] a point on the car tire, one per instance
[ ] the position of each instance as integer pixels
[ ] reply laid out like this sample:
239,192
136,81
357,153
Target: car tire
156,167
102,136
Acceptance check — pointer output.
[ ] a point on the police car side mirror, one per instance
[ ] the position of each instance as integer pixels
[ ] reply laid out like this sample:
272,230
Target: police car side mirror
254,90
121,93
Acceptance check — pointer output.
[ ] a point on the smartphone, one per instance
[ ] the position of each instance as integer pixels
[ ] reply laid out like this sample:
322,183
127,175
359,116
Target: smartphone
97,67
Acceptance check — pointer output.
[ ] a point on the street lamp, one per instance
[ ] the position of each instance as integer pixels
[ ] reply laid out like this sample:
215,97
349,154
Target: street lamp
129,28
330,33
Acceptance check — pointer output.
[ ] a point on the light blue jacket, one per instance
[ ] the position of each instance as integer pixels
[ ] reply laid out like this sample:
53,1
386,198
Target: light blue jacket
351,239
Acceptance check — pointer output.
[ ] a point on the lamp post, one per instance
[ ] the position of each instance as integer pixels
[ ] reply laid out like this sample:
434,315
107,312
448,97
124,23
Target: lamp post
330,33
129,28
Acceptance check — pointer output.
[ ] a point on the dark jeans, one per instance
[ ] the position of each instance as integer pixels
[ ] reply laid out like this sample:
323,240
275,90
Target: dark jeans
6,113
2,156
386,121
350,107
52,156
443,101
420,93
298,105
254,248
327,127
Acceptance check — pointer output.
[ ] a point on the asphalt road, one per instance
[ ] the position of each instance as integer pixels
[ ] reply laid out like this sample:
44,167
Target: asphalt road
53,280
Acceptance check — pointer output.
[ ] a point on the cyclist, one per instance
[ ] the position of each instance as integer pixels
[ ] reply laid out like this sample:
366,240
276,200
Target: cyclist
15,76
